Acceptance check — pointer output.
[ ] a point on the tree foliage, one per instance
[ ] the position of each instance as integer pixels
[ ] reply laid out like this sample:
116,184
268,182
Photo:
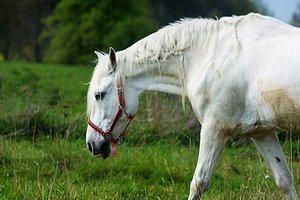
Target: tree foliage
295,21
21,26
166,11
69,31
78,27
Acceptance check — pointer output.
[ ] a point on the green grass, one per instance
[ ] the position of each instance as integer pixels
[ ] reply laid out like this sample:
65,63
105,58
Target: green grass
50,84
42,98
63,169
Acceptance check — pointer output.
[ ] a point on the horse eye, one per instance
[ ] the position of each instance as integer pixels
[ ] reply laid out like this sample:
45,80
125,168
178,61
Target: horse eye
100,96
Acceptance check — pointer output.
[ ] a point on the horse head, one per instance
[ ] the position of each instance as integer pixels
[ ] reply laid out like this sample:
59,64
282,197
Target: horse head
110,106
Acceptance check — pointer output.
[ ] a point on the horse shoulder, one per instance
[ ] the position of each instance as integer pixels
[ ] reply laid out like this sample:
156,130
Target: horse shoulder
220,96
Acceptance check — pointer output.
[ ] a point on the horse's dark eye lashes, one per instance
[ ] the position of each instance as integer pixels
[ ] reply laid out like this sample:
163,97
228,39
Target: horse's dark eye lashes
100,95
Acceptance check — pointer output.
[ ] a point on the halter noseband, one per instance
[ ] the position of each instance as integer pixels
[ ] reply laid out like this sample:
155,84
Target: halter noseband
121,110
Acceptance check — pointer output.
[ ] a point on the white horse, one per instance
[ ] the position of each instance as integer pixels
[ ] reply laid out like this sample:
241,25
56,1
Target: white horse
240,74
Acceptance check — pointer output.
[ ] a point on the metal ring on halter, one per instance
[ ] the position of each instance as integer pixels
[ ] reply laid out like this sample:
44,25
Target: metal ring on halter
107,136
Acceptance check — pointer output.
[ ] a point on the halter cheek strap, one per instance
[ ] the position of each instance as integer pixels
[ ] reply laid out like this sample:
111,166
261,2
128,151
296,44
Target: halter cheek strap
121,110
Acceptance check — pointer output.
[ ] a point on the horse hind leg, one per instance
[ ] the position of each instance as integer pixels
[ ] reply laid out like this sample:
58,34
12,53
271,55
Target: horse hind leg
271,151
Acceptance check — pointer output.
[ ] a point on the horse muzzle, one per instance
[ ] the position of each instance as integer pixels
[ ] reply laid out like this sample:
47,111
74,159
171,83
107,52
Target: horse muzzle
99,151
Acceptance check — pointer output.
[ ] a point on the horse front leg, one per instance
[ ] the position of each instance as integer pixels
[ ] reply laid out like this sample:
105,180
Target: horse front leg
212,142
271,151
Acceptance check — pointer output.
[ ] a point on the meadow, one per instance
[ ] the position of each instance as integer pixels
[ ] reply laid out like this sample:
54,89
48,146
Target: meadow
43,153
63,169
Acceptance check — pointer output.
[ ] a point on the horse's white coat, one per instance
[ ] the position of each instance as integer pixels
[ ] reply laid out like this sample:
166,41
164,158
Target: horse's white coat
241,75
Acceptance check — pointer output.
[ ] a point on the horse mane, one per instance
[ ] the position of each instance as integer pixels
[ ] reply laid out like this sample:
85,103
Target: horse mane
179,36
169,40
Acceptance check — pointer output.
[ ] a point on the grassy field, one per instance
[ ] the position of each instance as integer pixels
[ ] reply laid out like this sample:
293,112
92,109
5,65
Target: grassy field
42,98
63,169
43,153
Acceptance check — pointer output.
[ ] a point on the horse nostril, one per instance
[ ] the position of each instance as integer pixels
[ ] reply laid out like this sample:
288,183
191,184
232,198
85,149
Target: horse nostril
90,147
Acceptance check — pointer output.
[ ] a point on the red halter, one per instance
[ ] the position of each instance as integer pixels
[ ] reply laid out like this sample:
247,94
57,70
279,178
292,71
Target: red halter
121,110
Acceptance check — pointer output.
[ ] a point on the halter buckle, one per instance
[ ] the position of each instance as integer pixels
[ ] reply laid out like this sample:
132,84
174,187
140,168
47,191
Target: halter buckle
107,136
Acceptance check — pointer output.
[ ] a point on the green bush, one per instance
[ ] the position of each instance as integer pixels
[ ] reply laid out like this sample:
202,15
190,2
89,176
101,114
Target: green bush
77,28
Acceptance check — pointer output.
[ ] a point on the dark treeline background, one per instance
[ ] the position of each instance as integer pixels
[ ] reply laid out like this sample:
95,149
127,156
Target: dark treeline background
68,31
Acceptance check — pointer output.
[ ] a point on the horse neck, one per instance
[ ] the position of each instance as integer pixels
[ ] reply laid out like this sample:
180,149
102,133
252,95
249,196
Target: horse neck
170,72
163,76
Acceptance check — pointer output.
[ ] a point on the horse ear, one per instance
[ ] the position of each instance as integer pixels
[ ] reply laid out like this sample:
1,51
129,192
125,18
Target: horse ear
100,54
112,58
